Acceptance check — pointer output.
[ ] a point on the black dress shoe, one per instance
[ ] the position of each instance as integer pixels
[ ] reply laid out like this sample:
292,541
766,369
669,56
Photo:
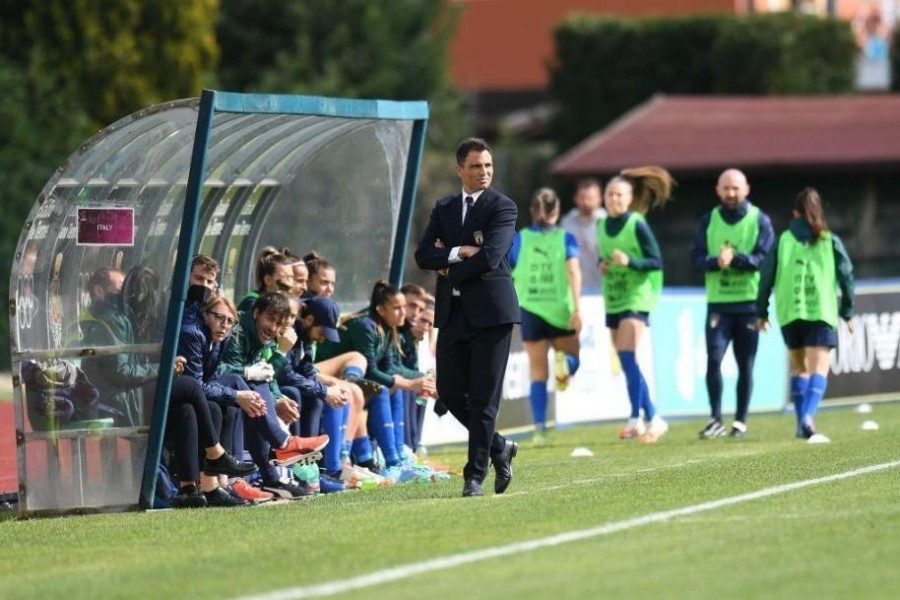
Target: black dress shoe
503,466
189,496
472,488
220,498
227,465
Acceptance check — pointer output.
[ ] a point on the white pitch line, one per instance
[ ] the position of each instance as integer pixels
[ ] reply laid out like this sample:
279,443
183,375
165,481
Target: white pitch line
454,560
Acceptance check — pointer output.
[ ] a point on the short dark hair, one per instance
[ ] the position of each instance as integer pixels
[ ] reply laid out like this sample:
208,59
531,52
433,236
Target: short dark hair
101,277
413,289
207,263
587,182
469,145
277,304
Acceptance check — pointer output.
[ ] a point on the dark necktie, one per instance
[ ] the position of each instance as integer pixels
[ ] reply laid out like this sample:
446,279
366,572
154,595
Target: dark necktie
469,202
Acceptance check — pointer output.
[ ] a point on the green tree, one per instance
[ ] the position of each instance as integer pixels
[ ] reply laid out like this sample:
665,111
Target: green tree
69,67
606,66
43,123
121,55
388,50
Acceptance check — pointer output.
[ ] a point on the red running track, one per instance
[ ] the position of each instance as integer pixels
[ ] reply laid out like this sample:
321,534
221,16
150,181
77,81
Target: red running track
8,480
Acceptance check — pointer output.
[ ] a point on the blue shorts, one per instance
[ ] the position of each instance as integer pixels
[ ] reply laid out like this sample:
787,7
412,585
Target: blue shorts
807,334
614,319
535,328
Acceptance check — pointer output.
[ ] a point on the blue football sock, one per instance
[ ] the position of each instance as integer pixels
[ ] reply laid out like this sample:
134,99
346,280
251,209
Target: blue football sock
574,362
332,419
398,416
538,398
646,403
383,426
814,394
352,371
633,379
362,449
345,445
798,394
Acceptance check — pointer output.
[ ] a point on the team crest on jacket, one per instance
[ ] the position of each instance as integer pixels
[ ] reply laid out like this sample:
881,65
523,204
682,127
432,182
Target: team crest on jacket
479,238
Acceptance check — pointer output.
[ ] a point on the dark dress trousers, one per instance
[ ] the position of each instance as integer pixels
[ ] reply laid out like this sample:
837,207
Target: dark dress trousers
476,325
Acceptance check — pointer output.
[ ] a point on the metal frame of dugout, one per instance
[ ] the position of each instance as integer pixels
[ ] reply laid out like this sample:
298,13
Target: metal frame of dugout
225,175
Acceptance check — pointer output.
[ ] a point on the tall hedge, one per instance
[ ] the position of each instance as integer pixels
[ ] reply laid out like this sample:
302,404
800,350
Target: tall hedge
606,66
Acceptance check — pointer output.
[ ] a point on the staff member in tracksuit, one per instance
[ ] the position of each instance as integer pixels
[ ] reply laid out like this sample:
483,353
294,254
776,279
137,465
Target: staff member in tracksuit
807,267
730,244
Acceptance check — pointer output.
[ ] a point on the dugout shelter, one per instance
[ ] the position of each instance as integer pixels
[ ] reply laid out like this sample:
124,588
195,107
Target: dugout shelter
224,175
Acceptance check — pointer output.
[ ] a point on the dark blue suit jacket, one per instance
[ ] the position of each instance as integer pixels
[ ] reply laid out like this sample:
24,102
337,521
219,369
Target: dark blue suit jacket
486,288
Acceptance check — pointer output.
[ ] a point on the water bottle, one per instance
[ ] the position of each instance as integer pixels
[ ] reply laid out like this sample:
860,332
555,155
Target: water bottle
423,398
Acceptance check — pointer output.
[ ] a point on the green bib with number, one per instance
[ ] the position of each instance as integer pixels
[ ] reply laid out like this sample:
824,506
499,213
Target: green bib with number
540,276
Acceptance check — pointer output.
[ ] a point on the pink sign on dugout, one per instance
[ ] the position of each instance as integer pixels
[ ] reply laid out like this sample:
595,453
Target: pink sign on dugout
105,227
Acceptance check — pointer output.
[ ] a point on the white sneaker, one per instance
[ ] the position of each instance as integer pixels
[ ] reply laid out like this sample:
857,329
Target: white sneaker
633,429
361,478
658,428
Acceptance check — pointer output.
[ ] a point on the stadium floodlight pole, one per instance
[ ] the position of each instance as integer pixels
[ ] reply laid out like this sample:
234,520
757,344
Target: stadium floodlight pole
186,240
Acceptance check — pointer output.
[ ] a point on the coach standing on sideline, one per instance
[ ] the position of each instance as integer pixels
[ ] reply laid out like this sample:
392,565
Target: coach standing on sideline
730,244
468,237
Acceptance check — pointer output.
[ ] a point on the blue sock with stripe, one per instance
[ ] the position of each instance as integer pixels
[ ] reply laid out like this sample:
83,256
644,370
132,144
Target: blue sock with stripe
346,444
538,398
332,420
362,450
383,426
398,416
352,371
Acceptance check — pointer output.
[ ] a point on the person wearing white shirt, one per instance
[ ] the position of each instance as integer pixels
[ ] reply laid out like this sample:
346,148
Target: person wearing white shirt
581,222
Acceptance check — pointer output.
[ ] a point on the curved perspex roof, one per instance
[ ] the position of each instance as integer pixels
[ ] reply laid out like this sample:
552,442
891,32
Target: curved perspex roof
224,175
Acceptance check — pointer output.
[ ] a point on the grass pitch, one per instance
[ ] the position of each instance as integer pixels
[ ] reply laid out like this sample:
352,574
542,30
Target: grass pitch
830,539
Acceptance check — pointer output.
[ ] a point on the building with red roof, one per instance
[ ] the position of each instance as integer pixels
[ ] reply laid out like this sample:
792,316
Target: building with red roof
698,134
847,147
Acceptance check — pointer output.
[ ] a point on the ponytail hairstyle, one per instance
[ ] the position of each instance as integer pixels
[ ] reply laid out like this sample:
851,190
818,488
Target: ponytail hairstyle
315,263
266,266
264,255
294,257
808,205
382,293
651,187
544,207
